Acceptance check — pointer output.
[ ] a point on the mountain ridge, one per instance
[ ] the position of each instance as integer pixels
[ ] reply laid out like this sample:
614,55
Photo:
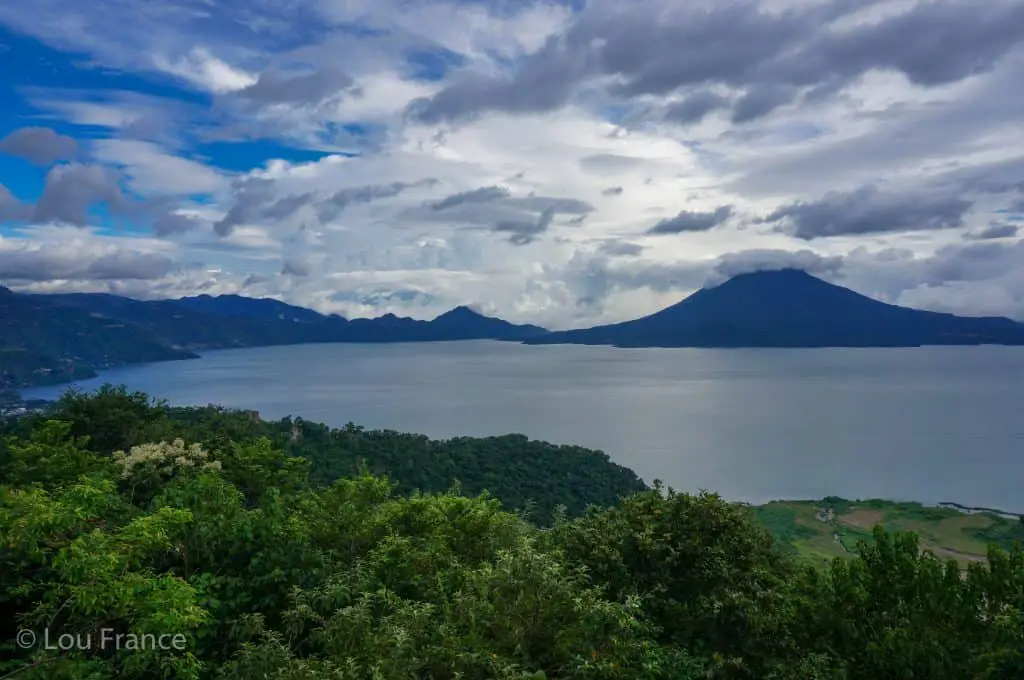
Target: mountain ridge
59,337
790,308
48,338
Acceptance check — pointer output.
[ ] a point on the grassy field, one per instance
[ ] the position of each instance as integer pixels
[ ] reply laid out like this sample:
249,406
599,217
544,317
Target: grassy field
832,527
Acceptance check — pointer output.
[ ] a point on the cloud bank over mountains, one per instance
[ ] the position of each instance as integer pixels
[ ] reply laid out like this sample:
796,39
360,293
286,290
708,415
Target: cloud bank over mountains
569,162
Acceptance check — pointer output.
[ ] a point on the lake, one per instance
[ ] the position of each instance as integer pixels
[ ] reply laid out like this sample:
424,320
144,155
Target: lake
929,424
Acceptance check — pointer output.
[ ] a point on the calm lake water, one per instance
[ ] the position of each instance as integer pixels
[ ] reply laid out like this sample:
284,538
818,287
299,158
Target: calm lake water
931,424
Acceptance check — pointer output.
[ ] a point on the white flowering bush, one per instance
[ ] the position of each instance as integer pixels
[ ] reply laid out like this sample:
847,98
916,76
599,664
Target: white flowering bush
162,459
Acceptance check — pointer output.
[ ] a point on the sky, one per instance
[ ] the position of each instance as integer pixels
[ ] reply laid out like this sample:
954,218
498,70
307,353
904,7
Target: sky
559,162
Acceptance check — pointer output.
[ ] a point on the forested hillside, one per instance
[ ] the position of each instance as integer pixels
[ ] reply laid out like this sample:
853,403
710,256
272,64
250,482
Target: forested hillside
524,474
52,338
121,517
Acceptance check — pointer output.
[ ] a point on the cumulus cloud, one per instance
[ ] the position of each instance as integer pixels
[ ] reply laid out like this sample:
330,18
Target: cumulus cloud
72,190
154,170
883,134
296,266
60,255
745,262
11,209
869,210
170,223
688,220
257,199
39,145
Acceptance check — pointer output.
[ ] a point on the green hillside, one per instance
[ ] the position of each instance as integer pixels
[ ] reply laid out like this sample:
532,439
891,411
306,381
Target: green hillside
41,344
823,530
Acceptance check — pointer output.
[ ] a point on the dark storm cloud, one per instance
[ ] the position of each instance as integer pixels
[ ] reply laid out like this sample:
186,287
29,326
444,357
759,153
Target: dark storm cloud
45,264
771,56
39,145
993,231
70,191
687,221
275,87
869,211
526,231
329,209
481,195
612,191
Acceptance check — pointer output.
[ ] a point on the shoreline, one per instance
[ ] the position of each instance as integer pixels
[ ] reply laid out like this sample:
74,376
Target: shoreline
975,510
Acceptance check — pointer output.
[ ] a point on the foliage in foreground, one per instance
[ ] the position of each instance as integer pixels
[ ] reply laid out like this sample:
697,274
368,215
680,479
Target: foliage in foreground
267,575
523,473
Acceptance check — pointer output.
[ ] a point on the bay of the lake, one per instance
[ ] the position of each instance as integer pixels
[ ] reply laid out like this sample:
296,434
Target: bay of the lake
928,424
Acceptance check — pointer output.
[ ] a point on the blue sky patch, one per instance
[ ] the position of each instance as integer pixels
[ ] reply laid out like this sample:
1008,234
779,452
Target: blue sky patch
29,63
21,178
246,155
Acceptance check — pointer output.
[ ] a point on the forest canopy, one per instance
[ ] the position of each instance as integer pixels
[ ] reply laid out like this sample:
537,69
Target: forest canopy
289,550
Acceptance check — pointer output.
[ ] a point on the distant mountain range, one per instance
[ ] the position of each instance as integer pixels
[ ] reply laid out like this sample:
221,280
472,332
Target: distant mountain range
57,338
790,308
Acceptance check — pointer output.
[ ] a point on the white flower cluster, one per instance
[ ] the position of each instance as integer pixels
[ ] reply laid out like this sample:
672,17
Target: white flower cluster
165,457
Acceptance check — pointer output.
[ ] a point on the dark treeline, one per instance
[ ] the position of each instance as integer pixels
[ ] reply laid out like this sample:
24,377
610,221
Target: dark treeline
278,550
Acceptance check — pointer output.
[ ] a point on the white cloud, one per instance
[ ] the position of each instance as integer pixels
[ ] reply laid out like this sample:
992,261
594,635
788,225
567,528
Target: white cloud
69,255
153,171
205,70
873,105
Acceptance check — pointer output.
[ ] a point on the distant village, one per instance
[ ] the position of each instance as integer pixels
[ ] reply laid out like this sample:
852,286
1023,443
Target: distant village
13,406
